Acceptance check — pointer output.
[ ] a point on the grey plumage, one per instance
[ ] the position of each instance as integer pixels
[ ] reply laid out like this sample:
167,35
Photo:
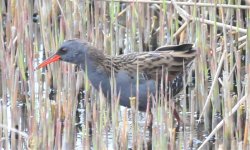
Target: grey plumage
99,67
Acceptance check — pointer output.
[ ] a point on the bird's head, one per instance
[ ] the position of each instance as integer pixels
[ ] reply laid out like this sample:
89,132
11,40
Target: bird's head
72,51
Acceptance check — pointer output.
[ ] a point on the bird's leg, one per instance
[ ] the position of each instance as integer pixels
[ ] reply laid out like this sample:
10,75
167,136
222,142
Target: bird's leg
176,115
133,105
150,122
149,127
89,116
149,119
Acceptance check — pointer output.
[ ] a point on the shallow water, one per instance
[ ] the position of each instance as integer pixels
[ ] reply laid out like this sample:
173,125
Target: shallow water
186,136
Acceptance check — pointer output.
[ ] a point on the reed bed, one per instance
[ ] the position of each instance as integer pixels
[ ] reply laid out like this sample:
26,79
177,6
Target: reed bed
56,107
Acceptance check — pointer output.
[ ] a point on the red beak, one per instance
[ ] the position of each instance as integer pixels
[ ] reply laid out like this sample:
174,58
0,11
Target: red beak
52,59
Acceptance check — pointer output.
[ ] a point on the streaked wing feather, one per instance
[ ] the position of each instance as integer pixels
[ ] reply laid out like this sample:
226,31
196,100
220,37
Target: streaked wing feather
149,63
182,47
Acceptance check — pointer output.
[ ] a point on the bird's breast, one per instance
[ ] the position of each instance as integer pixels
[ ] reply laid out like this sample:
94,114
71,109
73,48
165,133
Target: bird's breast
128,86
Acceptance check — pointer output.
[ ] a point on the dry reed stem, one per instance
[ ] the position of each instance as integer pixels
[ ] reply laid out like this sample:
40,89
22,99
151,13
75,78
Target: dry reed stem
187,16
182,3
183,27
214,82
219,125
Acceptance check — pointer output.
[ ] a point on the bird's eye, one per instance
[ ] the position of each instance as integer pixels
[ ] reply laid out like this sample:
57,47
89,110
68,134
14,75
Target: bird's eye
64,49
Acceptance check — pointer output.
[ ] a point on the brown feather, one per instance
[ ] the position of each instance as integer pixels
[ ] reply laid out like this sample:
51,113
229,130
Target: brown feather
149,62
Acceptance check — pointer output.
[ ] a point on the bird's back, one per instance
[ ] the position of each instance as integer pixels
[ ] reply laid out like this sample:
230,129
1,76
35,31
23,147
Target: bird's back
169,58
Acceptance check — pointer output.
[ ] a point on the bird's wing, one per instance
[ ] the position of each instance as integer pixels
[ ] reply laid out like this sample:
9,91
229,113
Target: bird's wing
150,64
181,47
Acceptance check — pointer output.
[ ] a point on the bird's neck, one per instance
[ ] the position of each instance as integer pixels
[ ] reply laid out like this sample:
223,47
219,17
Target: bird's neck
92,57
94,66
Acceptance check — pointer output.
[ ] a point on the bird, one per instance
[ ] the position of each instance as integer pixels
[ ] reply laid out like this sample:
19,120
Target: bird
142,70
